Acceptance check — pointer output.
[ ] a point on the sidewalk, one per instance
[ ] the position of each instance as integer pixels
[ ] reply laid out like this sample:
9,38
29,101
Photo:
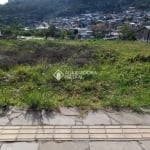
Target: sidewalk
78,145
69,130
73,133
70,116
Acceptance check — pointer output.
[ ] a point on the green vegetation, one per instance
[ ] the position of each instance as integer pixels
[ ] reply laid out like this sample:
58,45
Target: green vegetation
27,11
127,33
122,79
11,32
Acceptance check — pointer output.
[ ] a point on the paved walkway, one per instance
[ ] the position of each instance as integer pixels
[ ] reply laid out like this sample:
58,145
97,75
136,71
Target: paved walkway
78,145
70,130
70,116
72,133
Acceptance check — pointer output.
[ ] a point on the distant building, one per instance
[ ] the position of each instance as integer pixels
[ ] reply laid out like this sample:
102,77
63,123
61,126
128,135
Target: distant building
84,33
42,26
112,36
144,34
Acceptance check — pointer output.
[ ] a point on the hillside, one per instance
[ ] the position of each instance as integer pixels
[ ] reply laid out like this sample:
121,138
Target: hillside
142,4
28,11
108,74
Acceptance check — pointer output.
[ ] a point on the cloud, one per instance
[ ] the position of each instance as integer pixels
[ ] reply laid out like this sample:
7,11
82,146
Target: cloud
3,1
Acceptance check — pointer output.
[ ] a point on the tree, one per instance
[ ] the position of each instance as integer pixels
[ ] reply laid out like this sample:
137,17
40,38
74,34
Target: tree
51,31
41,32
127,33
100,30
64,34
12,31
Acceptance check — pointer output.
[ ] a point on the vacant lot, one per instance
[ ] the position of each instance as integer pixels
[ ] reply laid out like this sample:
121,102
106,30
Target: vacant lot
121,76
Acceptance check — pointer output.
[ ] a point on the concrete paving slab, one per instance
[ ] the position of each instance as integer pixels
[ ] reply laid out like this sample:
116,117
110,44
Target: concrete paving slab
14,115
130,118
65,146
17,110
114,146
96,118
43,136
146,145
62,136
70,116
8,137
98,136
80,131
4,120
28,119
26,137
69,111
32,133
146,136
20,146
58,119
21,120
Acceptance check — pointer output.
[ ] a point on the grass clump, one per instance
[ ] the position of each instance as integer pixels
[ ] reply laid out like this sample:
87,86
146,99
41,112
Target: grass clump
120,79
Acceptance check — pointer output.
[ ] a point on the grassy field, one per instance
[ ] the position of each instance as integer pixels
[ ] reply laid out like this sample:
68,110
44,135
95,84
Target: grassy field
121,79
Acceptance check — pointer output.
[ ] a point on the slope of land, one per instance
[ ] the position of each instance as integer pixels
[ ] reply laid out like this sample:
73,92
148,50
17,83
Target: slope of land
121,79
27,11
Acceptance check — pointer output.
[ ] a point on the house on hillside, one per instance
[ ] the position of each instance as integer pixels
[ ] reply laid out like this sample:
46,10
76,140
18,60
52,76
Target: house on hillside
112,36
144,34
83,33
42,26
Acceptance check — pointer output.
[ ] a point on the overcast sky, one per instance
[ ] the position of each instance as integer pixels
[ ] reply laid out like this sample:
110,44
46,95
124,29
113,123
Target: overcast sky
3,1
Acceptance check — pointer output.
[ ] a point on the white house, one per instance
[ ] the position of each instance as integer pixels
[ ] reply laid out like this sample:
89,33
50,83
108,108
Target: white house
85,33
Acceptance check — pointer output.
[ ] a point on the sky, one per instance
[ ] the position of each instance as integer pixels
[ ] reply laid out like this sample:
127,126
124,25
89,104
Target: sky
3,1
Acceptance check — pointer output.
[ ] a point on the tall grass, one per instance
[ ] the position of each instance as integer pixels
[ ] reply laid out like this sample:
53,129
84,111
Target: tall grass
122,78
